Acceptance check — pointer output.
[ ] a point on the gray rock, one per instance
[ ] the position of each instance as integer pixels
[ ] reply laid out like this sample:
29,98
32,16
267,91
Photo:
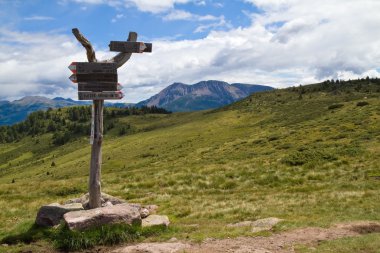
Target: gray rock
108,203
51,215
240,224
120,213
151,208
144,213
264,224
156,220
84,200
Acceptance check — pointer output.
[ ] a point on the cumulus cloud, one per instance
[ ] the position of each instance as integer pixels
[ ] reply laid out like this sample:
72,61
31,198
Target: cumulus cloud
287,43
155,6
38,18
185,15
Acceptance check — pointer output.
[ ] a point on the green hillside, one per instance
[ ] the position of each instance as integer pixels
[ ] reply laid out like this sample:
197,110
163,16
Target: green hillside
309,155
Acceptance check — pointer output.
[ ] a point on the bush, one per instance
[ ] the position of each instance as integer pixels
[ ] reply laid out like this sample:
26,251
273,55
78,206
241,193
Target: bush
308,156
362,103
335,106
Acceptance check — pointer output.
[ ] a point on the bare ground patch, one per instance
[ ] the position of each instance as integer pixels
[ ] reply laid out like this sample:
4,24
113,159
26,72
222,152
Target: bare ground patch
277,243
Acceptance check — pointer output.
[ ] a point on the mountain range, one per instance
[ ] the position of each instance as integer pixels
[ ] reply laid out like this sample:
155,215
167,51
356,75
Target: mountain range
176,97
180,97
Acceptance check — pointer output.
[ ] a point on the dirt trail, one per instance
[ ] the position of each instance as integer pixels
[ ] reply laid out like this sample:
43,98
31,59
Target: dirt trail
278,243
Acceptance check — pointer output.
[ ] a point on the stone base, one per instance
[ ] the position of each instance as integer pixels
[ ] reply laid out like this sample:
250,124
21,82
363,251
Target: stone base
121,213
78,216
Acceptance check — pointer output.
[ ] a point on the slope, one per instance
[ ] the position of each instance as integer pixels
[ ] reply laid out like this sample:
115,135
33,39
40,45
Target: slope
309,155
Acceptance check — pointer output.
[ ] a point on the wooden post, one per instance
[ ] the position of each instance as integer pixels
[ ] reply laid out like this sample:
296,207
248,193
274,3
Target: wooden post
96,148
96,156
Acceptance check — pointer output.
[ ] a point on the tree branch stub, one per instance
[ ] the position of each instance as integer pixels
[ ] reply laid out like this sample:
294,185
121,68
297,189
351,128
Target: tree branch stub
119,59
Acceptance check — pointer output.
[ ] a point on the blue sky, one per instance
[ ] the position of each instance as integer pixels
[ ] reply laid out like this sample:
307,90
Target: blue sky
273,42
103,21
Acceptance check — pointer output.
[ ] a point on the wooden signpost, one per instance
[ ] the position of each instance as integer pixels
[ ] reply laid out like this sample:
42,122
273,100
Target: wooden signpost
98,81
130,47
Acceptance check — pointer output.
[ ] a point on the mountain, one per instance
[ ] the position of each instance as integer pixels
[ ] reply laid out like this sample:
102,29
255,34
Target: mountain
180,97
18,110
176,97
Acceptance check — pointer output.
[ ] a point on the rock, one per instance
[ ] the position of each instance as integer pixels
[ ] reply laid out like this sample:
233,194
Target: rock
120,213
108,203
51,215
144,213
84,200
264,224
156,220
152,208
240,224
173,239
154,248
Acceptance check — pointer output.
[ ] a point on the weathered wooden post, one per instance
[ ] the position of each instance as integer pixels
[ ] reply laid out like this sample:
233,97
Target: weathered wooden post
97,81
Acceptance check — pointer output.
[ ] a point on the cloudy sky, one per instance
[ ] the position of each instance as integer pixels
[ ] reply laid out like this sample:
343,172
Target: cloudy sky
273,42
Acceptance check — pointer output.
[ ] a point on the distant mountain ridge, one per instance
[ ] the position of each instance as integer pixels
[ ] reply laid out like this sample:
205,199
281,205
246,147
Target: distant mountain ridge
180,97
176,97
18,110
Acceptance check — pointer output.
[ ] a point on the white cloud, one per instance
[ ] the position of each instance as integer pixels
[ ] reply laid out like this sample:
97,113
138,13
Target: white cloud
117,17
185,15
38,18
153,6
288,43
221,23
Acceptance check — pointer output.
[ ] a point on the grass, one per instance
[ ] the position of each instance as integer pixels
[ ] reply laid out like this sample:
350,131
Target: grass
66,240
363,244
272,154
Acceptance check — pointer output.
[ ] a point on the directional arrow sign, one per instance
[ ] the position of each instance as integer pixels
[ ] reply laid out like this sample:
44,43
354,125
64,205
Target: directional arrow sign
96,77
130,47
88,95
99,87
73,78
93,67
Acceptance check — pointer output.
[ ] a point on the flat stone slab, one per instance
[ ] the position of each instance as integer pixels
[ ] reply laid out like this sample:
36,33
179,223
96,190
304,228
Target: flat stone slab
156,220
51,215
121,213
258,225
264,224
154,248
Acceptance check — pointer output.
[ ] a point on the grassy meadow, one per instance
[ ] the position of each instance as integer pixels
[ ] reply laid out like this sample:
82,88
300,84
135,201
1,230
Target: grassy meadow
309,155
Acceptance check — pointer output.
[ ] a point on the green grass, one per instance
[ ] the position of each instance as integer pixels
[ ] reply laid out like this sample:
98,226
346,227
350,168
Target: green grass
363,244
66,240
272,154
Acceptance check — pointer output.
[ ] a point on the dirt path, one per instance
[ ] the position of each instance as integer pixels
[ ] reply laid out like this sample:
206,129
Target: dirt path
278,243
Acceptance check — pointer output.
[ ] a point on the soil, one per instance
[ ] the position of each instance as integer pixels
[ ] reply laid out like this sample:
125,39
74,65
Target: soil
277,243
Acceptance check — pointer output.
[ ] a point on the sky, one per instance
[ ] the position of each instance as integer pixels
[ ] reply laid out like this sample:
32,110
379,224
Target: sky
279,43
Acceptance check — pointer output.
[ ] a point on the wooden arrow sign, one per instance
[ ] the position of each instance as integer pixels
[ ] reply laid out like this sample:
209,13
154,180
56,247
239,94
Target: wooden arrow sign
97,87
130,47
93,67
88,95
96,77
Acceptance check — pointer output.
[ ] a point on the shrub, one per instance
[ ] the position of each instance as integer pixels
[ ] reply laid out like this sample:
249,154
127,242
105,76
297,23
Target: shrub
362,103
335,106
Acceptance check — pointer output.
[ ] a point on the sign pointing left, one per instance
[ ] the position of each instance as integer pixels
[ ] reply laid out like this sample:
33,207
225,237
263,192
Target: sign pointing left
73,78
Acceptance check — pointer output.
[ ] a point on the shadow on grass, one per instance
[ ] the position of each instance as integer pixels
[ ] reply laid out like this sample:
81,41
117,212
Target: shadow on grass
65,239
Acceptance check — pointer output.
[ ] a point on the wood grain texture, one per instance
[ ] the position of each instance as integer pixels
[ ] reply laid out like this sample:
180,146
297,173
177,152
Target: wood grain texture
94,184
86,44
